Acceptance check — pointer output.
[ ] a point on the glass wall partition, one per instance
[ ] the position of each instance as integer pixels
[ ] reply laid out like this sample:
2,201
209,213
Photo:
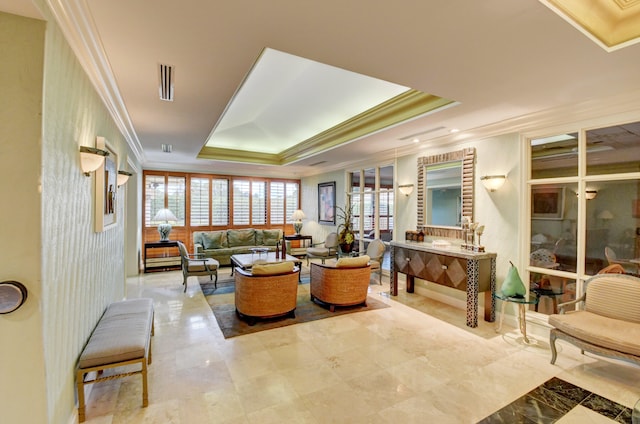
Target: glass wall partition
372,198
584,209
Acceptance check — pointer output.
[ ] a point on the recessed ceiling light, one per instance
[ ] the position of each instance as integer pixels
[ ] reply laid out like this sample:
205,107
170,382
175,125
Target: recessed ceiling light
416,140
453,130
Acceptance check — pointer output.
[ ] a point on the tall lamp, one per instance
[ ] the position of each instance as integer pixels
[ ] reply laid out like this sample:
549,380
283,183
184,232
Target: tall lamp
297,218
164,228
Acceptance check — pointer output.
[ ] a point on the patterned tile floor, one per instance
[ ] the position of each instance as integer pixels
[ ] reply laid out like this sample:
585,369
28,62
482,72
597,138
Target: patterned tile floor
552,400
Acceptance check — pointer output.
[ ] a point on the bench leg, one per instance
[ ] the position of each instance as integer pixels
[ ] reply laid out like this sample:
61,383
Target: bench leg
81,405
145,393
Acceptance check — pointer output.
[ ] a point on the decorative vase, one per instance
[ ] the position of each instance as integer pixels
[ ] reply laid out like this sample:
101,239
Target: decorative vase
346,247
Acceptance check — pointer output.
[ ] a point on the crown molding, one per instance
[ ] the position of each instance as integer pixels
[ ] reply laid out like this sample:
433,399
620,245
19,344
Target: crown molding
77,25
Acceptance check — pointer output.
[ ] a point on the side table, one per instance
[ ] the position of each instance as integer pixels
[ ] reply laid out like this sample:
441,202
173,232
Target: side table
166,262
522,303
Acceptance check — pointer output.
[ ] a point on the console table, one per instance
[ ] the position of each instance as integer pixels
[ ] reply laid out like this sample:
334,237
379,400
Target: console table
459,269
164,262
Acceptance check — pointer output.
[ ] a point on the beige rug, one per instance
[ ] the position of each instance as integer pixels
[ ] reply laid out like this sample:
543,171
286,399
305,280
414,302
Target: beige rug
221,300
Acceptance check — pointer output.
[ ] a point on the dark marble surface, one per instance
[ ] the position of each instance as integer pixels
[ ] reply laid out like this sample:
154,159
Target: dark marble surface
550,401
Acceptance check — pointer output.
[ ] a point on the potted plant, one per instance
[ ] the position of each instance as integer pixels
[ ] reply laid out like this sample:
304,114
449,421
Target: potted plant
346,236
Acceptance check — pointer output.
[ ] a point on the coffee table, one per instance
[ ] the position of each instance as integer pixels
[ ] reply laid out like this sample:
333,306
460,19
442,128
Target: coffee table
247,260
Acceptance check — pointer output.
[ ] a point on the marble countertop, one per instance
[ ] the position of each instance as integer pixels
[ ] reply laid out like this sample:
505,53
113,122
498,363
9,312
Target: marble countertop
454,250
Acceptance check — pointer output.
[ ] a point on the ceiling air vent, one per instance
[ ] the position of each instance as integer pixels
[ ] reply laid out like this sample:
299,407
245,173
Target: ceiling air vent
167,75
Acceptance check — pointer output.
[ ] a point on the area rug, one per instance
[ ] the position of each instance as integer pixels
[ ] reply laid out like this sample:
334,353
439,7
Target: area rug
221,301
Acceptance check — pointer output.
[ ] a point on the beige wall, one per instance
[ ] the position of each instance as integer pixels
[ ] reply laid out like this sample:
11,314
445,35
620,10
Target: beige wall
71,271
22,367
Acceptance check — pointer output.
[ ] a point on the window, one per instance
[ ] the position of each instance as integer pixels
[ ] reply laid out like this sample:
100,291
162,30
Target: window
579,213
199,201
204,202
164,192
176,198
258,203
220,202
241,202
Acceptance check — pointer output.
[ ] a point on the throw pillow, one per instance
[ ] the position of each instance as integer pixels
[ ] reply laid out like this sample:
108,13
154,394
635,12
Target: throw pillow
272,269
271,237
356,262
512,285
212,239
245,237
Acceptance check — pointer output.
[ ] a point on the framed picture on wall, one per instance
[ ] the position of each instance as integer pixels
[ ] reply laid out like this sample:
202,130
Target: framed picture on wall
547,203
106,186
327,203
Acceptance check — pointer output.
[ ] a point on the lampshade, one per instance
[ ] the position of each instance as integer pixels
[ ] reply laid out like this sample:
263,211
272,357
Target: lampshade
123,177
297,218
298,215
605,215
164,228
91,159
406,189
165,215
493,182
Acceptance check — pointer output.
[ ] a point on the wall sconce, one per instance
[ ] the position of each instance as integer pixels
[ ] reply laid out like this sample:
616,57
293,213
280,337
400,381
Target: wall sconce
91,159
406,189
589,194
297,218
493,182
123,177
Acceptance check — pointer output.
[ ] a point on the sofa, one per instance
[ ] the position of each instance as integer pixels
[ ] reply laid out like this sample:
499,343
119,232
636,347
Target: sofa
609,323
221,244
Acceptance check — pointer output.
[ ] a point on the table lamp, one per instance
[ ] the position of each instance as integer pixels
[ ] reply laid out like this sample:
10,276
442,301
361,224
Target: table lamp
297,218
164,228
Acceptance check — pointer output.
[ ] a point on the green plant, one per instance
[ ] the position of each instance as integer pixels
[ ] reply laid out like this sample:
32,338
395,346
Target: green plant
345,226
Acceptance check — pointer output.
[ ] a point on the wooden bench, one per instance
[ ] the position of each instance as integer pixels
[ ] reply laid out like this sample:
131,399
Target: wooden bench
121,337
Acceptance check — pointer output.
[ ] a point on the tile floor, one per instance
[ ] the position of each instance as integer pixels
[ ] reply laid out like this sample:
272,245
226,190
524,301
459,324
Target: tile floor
415,362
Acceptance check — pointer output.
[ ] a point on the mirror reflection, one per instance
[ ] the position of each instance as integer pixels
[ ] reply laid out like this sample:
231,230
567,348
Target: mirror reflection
444,194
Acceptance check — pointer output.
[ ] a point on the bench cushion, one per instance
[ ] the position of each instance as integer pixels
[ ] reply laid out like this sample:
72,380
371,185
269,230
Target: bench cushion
122,334
619,335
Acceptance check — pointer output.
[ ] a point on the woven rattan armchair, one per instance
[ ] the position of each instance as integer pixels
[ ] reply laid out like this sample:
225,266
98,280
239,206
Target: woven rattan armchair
265,296
340,286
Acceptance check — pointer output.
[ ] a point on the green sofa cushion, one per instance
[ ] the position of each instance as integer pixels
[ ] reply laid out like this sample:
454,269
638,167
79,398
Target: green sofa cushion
269,237
241,237
213,239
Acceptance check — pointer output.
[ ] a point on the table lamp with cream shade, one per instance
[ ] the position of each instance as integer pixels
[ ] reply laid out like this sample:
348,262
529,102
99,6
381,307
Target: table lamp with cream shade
165,228
297,218
605,216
